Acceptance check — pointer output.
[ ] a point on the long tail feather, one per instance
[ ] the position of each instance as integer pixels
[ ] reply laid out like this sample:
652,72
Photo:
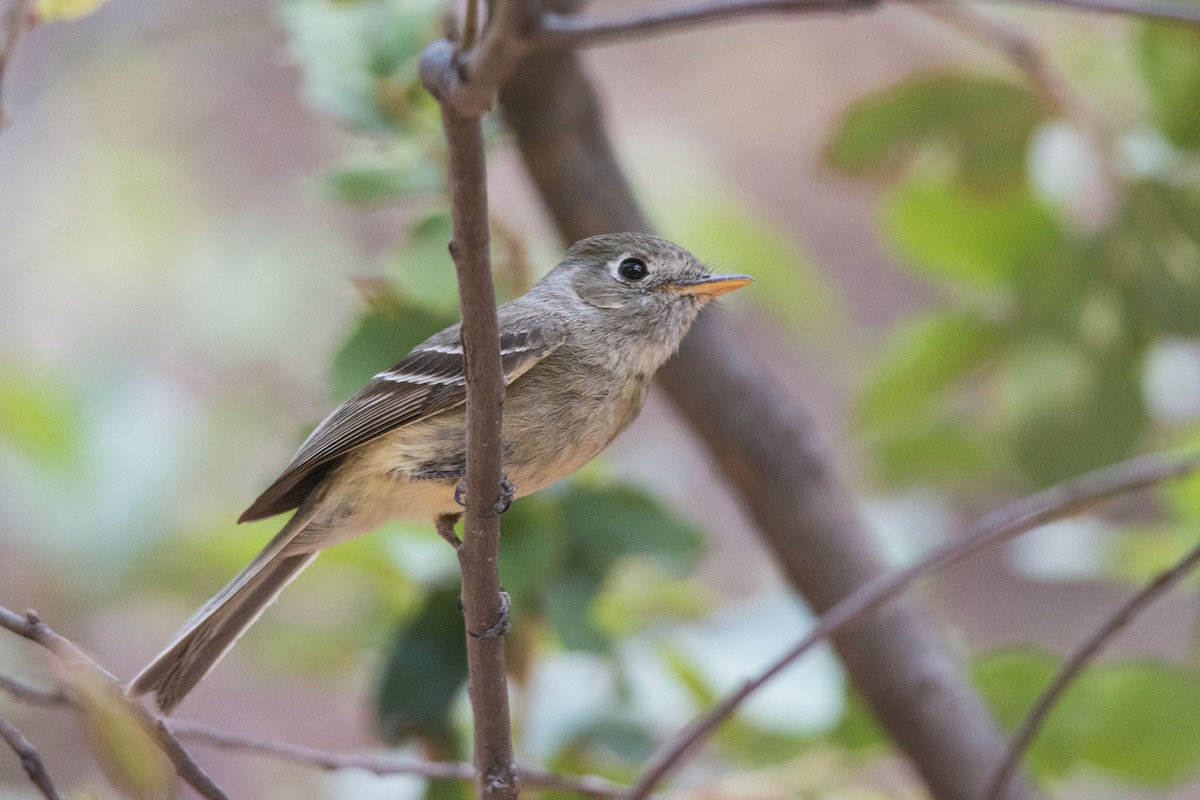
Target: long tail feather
216,626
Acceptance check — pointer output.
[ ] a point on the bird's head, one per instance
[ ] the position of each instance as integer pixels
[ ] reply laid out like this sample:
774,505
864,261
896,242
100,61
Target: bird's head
640,287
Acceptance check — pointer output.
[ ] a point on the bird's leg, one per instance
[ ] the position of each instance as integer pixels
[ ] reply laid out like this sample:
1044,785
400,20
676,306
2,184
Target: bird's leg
507,493
444,523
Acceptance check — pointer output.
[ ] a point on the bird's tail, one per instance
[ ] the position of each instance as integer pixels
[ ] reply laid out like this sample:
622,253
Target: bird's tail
220,622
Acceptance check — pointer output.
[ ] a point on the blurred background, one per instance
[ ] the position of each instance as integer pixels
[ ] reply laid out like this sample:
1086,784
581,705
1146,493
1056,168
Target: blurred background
981,276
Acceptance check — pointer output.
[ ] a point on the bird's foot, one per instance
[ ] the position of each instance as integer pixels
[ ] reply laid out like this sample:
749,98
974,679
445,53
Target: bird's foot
502,625
507,493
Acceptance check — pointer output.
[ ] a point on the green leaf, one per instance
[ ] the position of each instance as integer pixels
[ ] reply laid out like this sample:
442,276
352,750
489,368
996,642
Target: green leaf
1070,411
1169,54
1155,257
1147,725
981,125
373,184
924,358
360,59
601,527
423,270
425,671
1010,681
39,417
605,524
940,449
949,232
385,333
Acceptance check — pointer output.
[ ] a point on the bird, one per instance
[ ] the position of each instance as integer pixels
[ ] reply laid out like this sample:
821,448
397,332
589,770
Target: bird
578,351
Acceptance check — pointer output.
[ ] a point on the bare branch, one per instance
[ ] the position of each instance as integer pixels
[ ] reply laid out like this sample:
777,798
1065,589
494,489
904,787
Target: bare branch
33,695
32,628
570,30
1006,523
484,602
31,760
1074,665
199,733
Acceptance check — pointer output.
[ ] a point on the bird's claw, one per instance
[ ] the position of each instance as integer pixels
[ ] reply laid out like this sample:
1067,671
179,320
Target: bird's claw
502,625
507,492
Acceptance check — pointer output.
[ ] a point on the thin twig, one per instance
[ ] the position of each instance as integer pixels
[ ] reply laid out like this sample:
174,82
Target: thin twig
1070,497
18,689
31,760
32,628
571,30
376,764
1071,668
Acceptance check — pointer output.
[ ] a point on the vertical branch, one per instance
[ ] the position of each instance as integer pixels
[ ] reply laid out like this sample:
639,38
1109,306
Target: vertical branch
483,601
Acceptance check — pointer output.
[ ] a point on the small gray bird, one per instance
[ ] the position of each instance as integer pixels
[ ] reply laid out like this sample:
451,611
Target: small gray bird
578,351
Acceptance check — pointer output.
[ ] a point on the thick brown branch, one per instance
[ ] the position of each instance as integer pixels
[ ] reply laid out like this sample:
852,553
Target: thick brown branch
1006,523
484,604
1074,665
768,450
31,760
32,628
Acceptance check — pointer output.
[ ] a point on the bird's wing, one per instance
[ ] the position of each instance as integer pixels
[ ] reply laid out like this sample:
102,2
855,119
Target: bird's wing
429,380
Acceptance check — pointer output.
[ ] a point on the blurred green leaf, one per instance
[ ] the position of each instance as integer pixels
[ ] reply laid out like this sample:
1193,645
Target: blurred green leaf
1169,53
130,757
1142,552
949,232
423,269
939,448
385,333
39,417
981,124
371,184
926,356
1010,681
360,58
530,549
425,671
1147,724
65,10
638,592
858,731
1138,720
567,604
1155,256
1070,411
605,524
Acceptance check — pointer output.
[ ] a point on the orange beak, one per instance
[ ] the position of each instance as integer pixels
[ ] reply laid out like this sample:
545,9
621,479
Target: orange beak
711,285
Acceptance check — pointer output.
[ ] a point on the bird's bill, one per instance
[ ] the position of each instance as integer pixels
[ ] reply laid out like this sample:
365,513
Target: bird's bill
711,285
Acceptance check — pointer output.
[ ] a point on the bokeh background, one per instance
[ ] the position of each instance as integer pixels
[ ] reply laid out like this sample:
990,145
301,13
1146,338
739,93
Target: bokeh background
218,218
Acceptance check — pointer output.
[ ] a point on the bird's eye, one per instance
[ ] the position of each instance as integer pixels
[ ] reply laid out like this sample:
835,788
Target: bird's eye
633,269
